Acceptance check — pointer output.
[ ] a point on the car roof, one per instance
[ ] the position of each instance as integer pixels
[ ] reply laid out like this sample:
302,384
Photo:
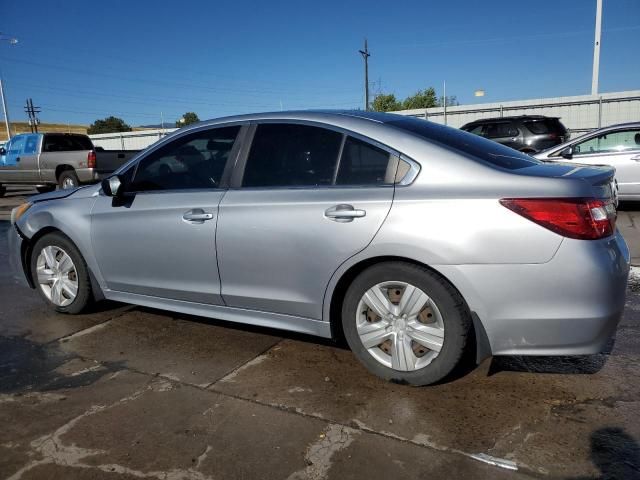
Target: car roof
515,117
311,115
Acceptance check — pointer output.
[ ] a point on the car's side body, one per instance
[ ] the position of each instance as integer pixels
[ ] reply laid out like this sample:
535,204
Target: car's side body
616,145
276,259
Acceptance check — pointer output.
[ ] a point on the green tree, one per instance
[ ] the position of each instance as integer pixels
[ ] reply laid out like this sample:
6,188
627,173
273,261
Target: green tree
385,103
421,99
187,119
108,125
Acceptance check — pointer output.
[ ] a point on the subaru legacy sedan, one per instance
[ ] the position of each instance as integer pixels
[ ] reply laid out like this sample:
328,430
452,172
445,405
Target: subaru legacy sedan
418,243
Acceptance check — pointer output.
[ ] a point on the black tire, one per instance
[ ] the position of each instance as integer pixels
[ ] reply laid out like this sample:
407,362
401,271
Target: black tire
455,316
46,188
83,297
3,190
68,178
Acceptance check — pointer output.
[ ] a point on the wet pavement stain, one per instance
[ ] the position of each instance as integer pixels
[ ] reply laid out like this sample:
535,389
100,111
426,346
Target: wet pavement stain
26,366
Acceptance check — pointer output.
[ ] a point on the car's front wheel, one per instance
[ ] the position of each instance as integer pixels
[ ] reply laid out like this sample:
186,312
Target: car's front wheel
60,274
405,323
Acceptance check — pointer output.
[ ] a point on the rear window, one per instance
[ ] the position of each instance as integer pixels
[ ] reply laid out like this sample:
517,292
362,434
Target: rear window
485,150
545,125
66,143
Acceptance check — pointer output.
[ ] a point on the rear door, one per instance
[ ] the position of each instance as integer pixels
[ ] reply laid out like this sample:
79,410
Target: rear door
304,199
159,239
505,133
620,149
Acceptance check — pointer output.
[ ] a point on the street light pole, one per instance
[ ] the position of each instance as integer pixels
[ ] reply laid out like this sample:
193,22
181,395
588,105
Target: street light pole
596,50
365,55
6,112
12,41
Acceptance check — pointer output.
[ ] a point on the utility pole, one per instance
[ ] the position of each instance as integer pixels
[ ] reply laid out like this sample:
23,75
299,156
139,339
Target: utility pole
596,49
6,112
365,55
31,112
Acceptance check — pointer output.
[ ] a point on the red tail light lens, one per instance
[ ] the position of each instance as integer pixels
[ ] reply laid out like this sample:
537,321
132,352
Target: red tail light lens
91,159
580,218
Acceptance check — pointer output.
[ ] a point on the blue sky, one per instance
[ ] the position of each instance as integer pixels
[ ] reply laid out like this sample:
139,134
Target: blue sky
136,59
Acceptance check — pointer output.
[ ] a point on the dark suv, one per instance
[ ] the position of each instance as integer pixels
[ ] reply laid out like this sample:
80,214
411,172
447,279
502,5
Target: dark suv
527,133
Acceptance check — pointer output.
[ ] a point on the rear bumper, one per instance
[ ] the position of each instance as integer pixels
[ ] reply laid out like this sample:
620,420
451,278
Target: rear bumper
16,266
87,175
570,305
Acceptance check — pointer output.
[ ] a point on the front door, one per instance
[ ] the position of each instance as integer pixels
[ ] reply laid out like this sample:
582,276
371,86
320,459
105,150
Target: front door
159,238
10,162
298,214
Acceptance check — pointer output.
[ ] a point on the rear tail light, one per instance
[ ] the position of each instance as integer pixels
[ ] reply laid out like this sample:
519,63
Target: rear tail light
91,159
580,218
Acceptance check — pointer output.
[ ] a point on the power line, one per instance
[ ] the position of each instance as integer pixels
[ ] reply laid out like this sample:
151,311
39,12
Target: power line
32,111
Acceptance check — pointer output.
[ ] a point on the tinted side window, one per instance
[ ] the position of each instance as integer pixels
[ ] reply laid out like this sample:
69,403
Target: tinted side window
503,129
17,145
31,145
545,125
190,162
363,164
289,155
66,143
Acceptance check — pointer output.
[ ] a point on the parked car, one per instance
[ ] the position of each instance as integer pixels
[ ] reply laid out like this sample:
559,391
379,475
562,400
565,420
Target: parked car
617,145
418,242
527,133
49,159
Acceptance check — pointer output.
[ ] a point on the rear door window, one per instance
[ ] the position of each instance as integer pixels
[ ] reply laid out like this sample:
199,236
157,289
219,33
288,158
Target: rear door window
66,143
364,164
544,126
292,155
500,130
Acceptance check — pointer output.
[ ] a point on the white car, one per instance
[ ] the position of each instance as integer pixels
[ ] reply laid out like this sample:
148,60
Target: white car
618,146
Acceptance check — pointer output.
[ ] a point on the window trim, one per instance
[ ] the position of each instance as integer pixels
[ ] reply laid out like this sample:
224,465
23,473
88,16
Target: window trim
588,136
226,173
238,174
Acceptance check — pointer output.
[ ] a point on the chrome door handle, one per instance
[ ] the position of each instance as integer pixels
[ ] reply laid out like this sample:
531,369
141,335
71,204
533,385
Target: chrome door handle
344,213
197,215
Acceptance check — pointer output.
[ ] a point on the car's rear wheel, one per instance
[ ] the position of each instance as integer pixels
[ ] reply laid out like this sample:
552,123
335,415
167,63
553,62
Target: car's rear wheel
60,274
405,323
68,179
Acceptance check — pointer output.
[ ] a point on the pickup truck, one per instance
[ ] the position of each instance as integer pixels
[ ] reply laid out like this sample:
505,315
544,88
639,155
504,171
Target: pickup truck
47,160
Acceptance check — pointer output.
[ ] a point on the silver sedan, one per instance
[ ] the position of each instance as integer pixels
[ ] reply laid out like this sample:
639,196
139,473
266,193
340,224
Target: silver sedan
617,145
417,243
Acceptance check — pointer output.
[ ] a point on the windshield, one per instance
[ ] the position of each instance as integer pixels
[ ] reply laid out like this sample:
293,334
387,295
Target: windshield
485,150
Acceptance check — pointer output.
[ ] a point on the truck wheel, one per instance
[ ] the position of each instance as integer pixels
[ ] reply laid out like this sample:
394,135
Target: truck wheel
60,274
405,323
46,188
3,190
68,179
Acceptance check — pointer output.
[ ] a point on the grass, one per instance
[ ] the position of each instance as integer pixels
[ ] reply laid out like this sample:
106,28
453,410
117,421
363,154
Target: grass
23,127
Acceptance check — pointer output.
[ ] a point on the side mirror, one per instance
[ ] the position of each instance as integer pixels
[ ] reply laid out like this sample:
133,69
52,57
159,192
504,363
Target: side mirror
567,152
3,151
111,186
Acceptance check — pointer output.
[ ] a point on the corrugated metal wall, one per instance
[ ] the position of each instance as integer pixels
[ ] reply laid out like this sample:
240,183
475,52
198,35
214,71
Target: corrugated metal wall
578,113
129,140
